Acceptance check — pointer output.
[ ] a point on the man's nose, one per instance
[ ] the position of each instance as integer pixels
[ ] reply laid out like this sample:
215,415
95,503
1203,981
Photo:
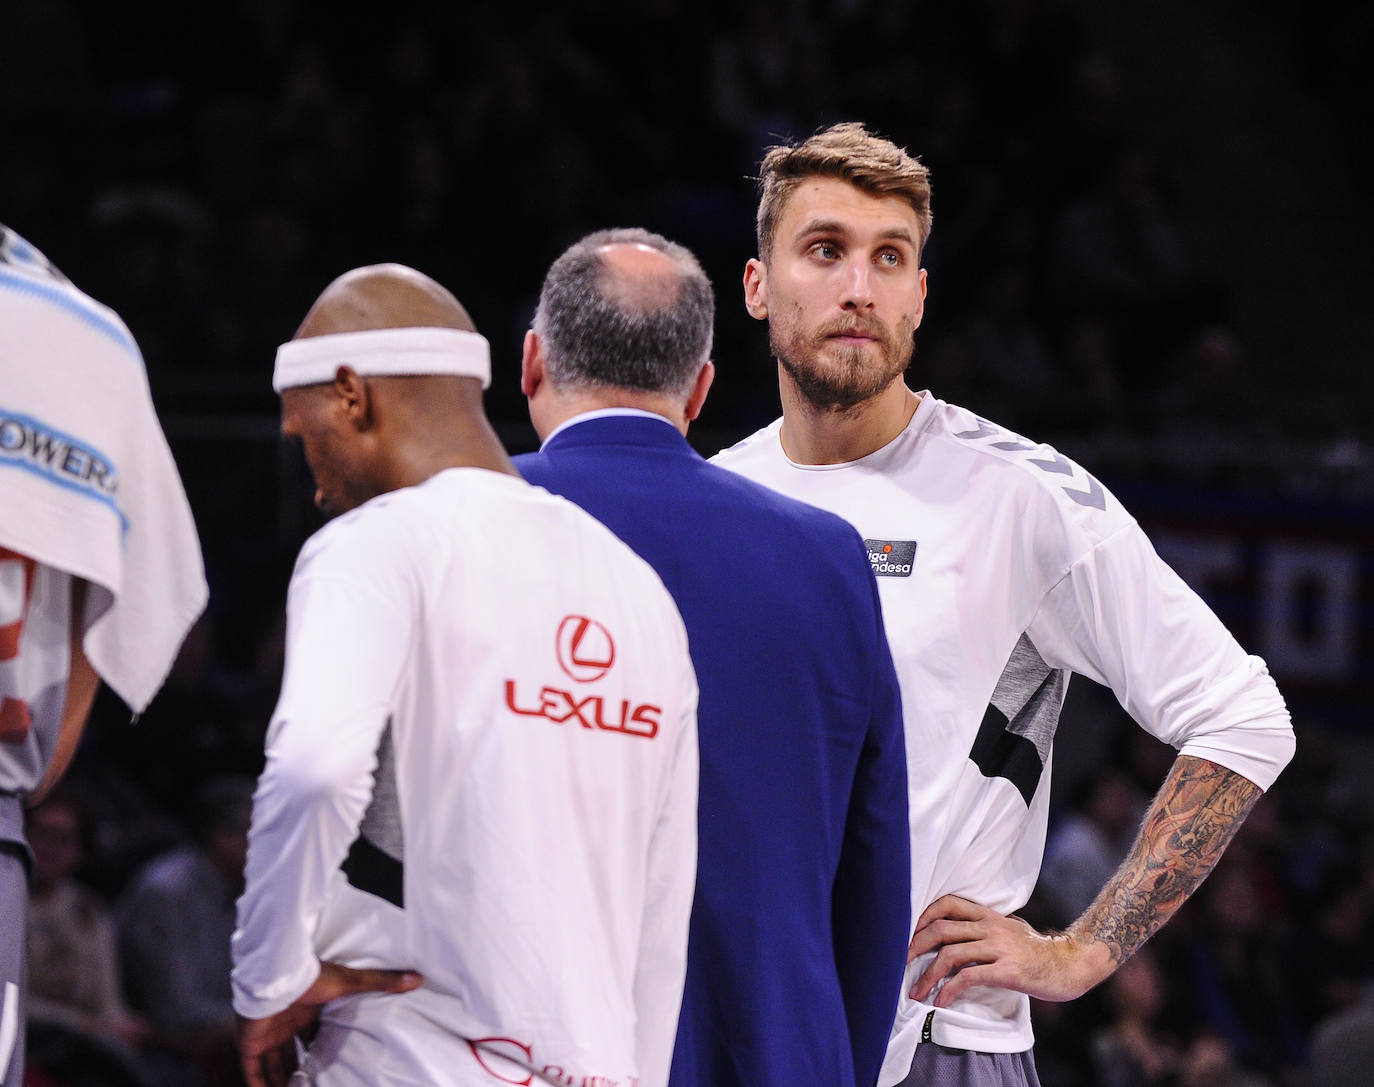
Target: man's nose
858,286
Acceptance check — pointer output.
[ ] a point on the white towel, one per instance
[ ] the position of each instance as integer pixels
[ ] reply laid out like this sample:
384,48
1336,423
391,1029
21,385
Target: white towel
87,482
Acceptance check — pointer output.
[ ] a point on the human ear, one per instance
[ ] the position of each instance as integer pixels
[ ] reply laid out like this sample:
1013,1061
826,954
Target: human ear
700,388
920,309
531,365
354,397
756,288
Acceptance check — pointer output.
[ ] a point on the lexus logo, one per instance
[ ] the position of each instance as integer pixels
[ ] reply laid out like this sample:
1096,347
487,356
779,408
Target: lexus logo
504,1052
585,649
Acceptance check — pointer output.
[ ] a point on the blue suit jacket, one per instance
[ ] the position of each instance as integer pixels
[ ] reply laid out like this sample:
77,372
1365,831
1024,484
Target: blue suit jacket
800,923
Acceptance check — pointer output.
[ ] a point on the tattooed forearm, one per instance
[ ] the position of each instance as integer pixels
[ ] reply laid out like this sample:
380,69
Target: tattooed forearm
1191,821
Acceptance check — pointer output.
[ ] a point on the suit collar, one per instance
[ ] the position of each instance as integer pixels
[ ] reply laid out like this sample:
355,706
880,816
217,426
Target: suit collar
620,428
601,413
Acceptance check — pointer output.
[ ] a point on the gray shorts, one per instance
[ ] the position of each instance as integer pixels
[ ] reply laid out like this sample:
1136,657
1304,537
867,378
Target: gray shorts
14,908
936,1066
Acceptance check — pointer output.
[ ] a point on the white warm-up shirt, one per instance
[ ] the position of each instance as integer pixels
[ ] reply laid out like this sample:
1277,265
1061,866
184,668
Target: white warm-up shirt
482,767
1003,566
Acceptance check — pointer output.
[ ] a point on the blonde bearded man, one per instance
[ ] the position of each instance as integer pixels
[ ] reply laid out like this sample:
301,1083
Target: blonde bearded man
1003,567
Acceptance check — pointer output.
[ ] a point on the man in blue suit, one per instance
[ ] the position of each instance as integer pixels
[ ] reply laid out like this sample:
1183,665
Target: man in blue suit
800,923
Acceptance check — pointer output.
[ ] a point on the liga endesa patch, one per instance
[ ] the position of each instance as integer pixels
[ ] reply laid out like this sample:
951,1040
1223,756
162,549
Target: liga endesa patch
891,558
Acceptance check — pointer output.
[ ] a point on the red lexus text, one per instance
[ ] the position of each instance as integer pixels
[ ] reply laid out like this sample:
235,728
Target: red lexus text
590,711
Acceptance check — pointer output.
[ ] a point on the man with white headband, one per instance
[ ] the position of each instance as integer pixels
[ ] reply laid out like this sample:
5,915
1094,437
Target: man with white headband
473,846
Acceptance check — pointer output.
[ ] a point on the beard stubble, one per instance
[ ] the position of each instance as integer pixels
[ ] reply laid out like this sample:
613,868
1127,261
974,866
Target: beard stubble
847,375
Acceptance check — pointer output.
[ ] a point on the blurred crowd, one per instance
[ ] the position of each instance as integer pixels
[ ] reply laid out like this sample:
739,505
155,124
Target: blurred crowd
206,170
206,173
1265,978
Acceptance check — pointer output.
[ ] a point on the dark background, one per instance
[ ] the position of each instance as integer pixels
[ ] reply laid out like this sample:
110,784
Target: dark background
1151,248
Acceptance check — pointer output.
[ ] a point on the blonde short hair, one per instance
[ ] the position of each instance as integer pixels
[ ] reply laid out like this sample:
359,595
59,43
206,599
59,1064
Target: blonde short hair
851,153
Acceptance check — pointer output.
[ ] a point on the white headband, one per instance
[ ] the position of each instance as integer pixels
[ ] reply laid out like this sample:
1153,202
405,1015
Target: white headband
383,352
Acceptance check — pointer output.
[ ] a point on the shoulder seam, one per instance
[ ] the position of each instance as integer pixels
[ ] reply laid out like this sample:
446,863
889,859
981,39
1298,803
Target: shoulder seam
1078,561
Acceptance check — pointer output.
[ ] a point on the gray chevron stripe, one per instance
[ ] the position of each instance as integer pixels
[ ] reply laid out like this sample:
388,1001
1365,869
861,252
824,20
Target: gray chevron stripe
1093,496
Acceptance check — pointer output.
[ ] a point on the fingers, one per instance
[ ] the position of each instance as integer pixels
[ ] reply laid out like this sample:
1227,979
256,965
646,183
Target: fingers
970,941
933,928
267,1047
279,1063
952,958
941,932
952,908
390,981
336,981
968,978
271,1067
267,1050
1004,953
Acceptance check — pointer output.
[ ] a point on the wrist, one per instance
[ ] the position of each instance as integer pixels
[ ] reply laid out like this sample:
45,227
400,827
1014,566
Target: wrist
1101,962
1091,961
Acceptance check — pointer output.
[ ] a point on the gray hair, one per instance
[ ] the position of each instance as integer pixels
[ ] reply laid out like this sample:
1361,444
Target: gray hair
601,329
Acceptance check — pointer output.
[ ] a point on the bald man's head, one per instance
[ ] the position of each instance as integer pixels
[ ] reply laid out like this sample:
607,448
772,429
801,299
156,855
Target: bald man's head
383,296
635,275
383,320
382,384
625,309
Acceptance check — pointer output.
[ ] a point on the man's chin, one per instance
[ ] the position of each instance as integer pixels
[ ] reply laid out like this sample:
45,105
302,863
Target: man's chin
836,392
832,398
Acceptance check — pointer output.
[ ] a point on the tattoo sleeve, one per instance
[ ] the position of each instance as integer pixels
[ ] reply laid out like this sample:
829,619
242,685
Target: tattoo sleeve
1193,818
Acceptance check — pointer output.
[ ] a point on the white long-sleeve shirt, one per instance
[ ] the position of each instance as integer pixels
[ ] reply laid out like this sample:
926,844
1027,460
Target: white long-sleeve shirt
1003,567
482,767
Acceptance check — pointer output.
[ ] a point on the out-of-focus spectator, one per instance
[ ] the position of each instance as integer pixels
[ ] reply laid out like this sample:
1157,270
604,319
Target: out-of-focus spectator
1343,1046
1210,1062
1094,366
1211,400
199,728
1118,255
1013,359
1234,977
1332,961
74,976
753,72
1134,1050
1063,1037
1143,1046
81,1032
1089,842
175,921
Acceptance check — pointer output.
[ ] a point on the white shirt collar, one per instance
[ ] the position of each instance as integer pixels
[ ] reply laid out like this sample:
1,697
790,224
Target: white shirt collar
603,413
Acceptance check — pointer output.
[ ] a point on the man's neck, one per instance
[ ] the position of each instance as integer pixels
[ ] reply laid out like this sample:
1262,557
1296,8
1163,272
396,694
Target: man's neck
812,435
471,443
